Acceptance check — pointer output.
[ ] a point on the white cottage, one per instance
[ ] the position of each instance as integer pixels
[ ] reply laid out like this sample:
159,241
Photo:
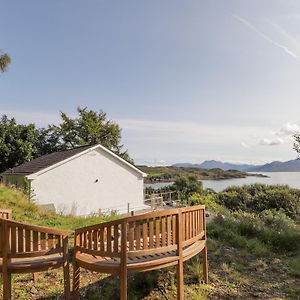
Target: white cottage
81,181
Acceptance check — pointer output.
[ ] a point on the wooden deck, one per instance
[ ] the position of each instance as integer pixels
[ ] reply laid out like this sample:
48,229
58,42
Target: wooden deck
142,243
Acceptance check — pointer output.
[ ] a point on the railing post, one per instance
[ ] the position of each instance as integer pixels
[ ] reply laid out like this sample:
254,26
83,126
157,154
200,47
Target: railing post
76,269
205,261
5,251
180,278
123,271
66,268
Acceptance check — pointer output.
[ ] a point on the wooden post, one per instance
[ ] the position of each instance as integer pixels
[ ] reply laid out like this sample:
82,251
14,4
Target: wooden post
204,259
5,273
66,269
123,270
180,278
76,270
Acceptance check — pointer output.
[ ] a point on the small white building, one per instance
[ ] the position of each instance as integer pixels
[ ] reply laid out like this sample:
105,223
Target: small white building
81,181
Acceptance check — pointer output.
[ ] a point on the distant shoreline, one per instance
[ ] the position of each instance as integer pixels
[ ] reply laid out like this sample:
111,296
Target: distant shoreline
169,174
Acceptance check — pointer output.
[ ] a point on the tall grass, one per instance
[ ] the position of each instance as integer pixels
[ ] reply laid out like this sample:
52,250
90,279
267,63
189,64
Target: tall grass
25,210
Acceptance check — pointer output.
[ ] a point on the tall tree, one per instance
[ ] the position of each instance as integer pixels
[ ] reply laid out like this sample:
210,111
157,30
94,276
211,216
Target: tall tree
21,143
5,60
17,143
89,127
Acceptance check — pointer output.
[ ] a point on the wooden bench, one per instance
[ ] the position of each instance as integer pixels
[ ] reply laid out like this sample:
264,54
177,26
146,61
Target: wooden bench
29,249
142,243
5,214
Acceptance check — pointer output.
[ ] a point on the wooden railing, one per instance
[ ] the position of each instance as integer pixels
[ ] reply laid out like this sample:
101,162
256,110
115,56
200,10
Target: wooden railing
5,213
167,231
20,244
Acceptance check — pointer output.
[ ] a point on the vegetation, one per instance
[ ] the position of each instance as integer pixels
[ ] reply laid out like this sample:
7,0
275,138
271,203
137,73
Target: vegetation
17,143
89,128
259,197
297,143
21,143
25,210
169,174
254,250
187,186
5,60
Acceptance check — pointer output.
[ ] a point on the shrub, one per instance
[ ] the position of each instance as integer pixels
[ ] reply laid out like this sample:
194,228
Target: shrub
295,267
208,200
260,197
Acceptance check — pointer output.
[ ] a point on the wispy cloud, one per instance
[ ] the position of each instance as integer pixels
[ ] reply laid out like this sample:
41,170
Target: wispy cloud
244,145
288,129
268,142
40,118
282,136
267,38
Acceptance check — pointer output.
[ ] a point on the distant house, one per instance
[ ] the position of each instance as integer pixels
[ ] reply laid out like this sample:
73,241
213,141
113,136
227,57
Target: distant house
81,181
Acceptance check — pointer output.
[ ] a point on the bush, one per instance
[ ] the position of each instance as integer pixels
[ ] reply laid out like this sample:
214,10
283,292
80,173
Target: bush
260,197
252,232
208,200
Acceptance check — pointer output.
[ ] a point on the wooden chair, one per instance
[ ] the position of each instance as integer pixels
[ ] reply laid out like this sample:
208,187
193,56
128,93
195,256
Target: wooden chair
29,249
5,214
142,243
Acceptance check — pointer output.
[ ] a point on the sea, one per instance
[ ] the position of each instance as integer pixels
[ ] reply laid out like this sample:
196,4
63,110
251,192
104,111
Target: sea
291,179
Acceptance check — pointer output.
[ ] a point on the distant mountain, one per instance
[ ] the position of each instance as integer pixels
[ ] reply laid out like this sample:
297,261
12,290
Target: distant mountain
275,166
278,166
214,164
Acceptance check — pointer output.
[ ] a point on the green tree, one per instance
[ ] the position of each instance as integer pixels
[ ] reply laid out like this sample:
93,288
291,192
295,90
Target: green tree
89,127
188,185
5,60
21,143
17,143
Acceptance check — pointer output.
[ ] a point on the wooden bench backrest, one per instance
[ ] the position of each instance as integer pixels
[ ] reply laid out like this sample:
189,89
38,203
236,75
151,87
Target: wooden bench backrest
22,240
5,214
151,233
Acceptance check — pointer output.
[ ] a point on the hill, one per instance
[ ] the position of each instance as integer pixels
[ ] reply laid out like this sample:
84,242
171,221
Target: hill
278,166
213,164
168,174
275,166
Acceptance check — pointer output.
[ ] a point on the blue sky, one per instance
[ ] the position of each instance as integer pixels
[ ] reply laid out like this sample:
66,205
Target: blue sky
186,80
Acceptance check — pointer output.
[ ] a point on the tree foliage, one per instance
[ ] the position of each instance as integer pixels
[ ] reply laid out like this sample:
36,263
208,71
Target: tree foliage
88,128
21,143
297,143
17,143
5,60
188,185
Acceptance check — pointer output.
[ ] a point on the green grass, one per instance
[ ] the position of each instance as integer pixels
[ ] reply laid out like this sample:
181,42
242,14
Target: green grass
249,254
25,210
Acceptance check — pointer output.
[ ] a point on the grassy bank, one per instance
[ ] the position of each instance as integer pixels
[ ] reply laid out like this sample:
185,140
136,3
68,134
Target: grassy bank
253,246
27,211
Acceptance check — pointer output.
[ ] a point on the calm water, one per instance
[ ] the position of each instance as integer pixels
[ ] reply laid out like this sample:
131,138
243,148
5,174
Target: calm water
290,178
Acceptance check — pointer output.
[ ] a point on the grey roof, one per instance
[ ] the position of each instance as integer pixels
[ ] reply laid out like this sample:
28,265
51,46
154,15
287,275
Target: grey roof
45,161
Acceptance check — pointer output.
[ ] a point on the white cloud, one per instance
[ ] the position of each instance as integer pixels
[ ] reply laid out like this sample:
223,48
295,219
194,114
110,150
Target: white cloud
187,133
288,129
273,142
244,145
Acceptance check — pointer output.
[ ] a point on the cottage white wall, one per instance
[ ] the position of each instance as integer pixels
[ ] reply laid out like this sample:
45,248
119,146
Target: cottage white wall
73,186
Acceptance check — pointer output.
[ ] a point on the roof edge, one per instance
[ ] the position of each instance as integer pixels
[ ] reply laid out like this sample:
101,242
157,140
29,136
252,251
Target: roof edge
33,175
